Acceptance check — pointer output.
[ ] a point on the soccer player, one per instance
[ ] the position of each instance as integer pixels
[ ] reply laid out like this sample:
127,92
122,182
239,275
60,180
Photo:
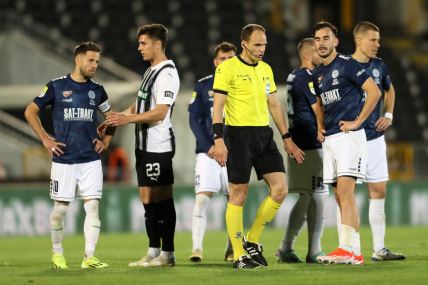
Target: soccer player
244,88
74,99
341,81
367,43
306,178
210,177
154,144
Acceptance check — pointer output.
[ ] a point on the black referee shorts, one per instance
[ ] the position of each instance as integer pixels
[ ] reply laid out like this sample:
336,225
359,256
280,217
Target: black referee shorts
154,169
251,147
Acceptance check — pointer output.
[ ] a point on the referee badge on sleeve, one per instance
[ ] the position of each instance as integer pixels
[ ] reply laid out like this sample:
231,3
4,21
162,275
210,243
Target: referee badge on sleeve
267,88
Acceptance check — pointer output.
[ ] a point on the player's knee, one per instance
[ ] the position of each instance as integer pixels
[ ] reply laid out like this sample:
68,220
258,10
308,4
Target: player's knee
91,208
201,203
278,192
58,214
377,191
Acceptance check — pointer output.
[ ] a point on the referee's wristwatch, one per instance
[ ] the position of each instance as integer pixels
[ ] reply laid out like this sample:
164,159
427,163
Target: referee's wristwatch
287,135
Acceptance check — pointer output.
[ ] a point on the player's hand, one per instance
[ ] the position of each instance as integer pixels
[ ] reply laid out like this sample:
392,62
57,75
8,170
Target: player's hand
321,135
117,119
220,152
99,146
101,129
346,126
53,147
210,152
382,124
294,151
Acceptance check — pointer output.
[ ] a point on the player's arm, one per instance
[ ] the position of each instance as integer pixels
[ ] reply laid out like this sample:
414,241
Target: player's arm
32,116
318,109
278,117
389,101
158,113
373,95
106,133
220,150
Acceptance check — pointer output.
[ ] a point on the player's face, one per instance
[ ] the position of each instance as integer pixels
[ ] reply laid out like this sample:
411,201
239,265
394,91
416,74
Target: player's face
325,42
222,56
148,47
255,47
369,43
88,63
315,58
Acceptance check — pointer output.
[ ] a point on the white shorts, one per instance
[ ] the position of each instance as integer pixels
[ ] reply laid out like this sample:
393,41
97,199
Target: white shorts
87,176
345,154
209,175
307,177
377,163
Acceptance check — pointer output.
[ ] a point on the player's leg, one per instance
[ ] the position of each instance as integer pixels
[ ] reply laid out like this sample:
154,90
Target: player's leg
90,182
315,220
377,177
228,255
296,220
62,191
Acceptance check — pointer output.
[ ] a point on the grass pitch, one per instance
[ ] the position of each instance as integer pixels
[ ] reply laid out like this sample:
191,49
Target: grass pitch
26,260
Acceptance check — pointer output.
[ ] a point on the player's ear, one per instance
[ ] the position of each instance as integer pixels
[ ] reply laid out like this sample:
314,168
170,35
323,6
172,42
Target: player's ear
336,41
243,45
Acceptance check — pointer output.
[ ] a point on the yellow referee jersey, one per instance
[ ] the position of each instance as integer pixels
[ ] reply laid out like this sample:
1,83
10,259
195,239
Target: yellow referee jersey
247,87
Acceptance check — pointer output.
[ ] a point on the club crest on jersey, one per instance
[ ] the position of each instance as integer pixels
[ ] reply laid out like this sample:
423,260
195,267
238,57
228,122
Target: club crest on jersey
67,93
335,74
376,75
91,95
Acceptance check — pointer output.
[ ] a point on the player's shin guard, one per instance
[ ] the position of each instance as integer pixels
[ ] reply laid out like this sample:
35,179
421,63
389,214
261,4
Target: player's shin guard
266,212
235,228
377,223
166,224
57,226
91,227
151,222
199,220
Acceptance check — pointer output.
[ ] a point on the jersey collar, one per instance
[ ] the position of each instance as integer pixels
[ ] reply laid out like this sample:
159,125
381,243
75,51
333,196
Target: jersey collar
244,62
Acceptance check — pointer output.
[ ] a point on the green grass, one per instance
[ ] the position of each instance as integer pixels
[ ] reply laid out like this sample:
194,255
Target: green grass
25,260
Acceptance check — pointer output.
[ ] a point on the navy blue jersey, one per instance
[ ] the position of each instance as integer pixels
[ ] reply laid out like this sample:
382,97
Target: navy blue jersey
376,67
301,95
200,113
339,87
74,107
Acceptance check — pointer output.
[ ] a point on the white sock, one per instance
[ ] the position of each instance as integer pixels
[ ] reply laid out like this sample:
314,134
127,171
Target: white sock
338,222
315,222
295,222
346,237
57,226
91,227
377,222
199,220
356,244
153,251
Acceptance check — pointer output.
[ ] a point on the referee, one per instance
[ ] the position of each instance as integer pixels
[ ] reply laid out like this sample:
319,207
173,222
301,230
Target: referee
245,90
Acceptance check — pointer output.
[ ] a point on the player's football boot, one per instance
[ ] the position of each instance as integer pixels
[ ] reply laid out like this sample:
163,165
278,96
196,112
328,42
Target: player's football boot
196,256
93,262
141,262
287,256
358,260
58,261
337,256
313,258
245,262
228,255
160,261
385,254
255,251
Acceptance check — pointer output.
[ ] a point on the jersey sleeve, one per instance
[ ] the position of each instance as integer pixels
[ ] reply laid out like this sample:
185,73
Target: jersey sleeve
355,72
46,96
166,86
196,100
386,79
105,104
272,85
222,79
307,87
